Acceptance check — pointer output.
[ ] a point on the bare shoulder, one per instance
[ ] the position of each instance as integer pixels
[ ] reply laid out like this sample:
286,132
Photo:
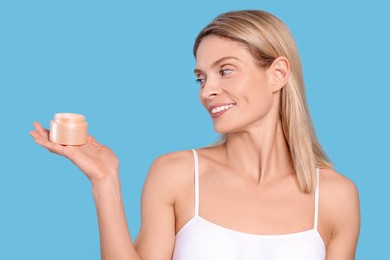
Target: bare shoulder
179,158
340,200
169,171
172,164
337,187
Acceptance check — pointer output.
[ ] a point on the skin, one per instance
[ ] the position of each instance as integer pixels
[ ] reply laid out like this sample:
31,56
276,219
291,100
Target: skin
247,184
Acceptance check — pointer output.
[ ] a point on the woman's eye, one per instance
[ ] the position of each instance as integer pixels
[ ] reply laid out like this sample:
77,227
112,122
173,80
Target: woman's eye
225,72
200,81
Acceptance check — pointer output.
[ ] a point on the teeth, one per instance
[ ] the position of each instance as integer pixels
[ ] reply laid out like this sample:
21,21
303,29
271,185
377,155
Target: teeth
221,108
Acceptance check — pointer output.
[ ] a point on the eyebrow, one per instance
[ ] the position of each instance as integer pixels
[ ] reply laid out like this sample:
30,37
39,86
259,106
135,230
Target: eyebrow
215,63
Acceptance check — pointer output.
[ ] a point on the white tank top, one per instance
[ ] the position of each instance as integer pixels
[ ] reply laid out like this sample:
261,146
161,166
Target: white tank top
200,239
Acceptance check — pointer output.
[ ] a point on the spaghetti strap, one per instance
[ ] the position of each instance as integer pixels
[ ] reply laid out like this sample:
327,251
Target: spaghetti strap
316,198
196,181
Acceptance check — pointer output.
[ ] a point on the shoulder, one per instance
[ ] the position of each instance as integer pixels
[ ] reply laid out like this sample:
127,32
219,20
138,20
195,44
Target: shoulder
339,198
171,164
336,186
168,172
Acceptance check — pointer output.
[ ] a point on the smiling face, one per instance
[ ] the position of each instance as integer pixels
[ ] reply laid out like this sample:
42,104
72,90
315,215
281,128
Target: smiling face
237,93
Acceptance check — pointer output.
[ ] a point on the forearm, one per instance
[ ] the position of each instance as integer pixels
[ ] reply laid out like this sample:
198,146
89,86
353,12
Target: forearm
115,239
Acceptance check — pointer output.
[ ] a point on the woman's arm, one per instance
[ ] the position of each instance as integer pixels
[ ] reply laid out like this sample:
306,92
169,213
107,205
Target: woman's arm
156,238
100,165
167,176
115,240
344,218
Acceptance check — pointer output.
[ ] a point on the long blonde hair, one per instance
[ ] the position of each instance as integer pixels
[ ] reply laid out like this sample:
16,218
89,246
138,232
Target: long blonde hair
268,38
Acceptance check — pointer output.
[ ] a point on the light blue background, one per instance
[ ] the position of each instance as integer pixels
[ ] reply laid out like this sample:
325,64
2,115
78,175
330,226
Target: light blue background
128,67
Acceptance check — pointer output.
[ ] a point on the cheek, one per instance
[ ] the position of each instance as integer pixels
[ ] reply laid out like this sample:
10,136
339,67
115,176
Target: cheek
262,101
253,90
258,97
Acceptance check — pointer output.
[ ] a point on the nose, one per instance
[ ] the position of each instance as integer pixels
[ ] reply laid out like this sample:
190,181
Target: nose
210,90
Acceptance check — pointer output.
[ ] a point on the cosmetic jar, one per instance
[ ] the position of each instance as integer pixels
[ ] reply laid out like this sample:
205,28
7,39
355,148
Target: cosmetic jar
68,129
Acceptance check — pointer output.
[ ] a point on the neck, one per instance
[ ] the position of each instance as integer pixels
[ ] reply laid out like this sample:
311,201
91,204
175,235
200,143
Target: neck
261,154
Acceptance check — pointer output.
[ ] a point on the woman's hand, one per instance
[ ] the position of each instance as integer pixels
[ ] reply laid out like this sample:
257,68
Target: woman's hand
95,160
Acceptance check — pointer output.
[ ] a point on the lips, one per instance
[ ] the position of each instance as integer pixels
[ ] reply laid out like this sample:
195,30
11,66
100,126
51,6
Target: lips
217,110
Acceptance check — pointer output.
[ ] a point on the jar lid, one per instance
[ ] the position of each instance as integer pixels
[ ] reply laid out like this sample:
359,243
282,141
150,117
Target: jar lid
69,118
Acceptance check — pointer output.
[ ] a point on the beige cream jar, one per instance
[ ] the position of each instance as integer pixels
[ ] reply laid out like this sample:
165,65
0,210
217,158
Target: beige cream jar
68,129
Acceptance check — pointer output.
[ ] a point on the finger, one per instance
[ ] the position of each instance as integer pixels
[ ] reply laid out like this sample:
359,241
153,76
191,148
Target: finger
52,147
35,134
41,131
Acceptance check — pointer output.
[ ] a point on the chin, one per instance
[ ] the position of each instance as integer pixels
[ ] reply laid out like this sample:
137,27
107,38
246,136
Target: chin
223,129
230,128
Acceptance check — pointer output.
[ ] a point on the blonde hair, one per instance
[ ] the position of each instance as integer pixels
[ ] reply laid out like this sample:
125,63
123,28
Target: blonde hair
268,38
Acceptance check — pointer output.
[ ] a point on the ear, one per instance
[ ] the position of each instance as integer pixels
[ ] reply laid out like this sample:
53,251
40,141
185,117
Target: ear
279,72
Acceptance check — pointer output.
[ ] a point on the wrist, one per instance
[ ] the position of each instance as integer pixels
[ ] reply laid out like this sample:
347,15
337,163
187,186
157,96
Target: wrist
108,183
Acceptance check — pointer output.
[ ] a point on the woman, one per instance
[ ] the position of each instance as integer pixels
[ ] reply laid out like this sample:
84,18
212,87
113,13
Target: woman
255,195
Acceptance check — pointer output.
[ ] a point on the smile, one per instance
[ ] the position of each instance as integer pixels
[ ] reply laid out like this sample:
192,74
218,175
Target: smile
218,110
221,108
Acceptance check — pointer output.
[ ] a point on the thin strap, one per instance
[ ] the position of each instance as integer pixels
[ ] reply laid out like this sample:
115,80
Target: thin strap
196,180
316,199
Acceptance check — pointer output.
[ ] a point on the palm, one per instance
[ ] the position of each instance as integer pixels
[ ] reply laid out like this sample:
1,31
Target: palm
96,161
